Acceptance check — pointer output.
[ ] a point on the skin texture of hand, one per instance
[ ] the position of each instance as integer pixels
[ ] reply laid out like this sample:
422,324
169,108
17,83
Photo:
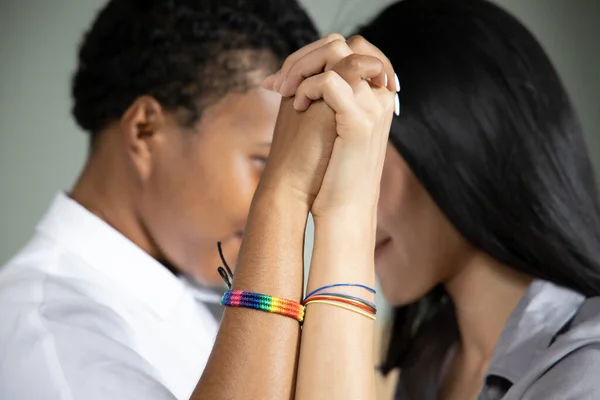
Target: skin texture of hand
302,145
354,85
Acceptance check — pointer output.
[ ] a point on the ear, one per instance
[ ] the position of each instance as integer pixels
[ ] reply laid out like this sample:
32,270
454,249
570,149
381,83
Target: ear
141,129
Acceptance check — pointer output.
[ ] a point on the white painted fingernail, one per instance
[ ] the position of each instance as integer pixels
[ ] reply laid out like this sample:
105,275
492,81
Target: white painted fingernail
385,80
397,106
397,83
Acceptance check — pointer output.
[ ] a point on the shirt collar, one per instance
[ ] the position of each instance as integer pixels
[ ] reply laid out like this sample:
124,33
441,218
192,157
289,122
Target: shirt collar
203,294
540,315
109,252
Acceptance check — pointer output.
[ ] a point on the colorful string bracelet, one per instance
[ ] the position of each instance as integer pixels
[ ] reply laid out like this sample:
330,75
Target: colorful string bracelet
341,300
263,302
289,308
256,301
347,296
344,306
355,302
368,288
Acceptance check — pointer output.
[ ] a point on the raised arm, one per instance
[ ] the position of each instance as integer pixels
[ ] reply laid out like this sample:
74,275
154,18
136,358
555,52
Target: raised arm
336,360
256,353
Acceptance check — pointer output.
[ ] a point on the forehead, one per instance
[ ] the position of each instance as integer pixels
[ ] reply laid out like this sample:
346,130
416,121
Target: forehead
250,114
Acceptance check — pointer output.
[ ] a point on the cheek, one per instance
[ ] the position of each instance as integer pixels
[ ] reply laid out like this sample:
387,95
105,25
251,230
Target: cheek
425,251
391,190
200,194
405,272
232,188
178,201
409,265
245,174
401,265
227,186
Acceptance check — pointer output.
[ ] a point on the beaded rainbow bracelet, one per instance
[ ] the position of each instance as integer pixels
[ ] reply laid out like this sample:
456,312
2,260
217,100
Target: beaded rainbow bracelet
263,302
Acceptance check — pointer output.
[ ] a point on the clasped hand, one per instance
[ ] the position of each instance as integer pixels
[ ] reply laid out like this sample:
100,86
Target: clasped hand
329,144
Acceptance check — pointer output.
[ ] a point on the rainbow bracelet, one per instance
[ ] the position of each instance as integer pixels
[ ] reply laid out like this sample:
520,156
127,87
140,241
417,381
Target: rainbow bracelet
263,302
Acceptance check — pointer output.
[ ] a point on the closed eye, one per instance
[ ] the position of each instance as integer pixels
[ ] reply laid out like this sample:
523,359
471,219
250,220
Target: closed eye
259,161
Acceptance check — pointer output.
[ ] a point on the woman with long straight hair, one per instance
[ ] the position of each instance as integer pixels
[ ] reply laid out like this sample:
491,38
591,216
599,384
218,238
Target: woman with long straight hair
489,223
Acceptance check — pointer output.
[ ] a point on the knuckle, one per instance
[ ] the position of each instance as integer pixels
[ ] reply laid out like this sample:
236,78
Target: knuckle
339,47
357,41
354,62
330,78
331,37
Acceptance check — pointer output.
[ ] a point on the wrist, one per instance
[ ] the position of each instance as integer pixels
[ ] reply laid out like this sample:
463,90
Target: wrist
282,199
349,234
271,255
353,223
343,250
279,193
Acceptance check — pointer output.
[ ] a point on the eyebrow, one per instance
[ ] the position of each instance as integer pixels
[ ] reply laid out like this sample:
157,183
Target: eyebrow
265,144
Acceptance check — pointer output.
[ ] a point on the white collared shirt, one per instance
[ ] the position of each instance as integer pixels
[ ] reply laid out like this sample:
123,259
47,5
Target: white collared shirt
86,314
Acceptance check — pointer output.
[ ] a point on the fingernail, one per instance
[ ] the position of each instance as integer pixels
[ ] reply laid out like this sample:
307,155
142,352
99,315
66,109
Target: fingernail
397,83
397,106
295,104
386,80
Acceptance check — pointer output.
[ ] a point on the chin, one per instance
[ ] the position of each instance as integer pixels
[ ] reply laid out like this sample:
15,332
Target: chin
203,265
398,294
398,300
208,277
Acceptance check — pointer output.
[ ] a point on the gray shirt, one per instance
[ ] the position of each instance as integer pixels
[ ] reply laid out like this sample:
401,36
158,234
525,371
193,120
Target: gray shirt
549,350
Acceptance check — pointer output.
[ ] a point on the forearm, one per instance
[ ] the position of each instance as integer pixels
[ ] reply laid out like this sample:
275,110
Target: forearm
255,354
336,356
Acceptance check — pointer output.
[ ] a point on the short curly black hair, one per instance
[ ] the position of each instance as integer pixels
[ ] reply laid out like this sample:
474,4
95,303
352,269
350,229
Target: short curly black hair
185,53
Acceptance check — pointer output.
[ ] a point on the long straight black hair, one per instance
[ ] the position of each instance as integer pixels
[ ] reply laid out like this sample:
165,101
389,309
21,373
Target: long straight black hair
489,131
